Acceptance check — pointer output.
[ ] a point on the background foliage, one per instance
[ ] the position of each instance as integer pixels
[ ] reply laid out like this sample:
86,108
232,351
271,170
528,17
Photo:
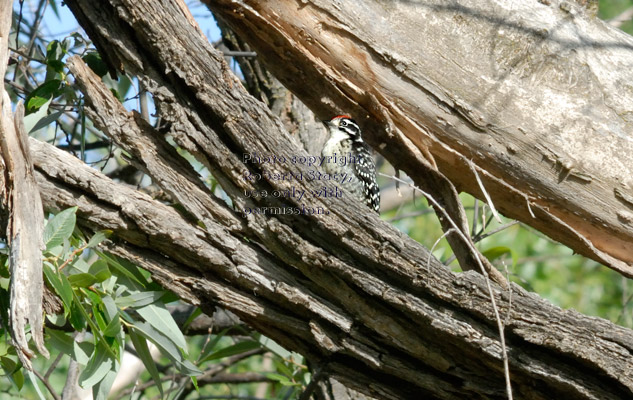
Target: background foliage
110,306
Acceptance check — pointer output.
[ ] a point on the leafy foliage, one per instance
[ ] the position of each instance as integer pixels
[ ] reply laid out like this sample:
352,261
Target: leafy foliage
108,304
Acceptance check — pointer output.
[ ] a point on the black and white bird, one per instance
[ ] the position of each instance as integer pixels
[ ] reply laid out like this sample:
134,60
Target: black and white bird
345,141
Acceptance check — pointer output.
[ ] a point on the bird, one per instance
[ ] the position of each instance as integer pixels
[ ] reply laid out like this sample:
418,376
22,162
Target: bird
345,152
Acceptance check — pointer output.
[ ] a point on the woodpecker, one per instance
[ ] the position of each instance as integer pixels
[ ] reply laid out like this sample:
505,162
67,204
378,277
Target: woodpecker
346,153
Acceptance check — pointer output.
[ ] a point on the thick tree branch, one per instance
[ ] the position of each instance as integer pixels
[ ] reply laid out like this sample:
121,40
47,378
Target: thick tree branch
343,288
449,330
529,93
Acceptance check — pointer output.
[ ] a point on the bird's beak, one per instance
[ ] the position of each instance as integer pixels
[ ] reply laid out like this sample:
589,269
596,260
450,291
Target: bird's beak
328,123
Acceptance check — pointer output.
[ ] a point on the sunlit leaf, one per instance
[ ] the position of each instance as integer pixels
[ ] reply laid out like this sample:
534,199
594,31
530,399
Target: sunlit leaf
60,228
160,318
98,366
42,94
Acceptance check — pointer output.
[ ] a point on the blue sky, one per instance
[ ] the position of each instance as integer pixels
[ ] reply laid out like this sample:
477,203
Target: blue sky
61,27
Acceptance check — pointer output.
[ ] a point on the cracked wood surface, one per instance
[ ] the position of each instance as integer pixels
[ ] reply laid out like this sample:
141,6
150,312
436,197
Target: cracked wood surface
422,329
528,92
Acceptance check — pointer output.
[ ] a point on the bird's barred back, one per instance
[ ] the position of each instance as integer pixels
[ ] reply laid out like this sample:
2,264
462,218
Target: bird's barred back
345,136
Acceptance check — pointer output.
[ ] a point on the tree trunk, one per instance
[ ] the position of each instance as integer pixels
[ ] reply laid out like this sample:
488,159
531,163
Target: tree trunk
363,302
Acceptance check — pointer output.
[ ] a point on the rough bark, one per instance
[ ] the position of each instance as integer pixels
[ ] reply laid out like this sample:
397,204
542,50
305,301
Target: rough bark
23,217
400,334
358,298
527,94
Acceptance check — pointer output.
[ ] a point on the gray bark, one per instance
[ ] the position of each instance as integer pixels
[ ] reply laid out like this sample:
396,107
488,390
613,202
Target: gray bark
22,216
347,290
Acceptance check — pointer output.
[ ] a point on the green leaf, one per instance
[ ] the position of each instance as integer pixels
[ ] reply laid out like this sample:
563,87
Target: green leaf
45,121
160,318
81,351
110,308
31,120
36,102
237,348
138,300
60,284
57,319
78,316
123,268
101,390
34,382
113,329
13,371
208,348
167,347
143,352
54,50
123,87
60,341
282,379
276,348
42,94
499,251
78,265
281,366
60,228
82,280
196,312
53,4
66,344
98,238
98,366
56,65
99,269
96,64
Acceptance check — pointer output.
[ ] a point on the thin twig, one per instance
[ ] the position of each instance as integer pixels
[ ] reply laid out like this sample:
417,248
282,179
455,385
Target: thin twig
621,18
475,217
483,190
482,236
428,261
47,384
53,365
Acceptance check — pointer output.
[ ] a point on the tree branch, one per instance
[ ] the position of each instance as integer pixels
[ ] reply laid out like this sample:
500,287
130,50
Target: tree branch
524,92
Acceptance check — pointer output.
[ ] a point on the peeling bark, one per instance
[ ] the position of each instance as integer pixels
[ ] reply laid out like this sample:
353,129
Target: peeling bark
22,214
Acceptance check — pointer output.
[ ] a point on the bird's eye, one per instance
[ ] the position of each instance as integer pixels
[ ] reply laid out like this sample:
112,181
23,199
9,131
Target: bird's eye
343,123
